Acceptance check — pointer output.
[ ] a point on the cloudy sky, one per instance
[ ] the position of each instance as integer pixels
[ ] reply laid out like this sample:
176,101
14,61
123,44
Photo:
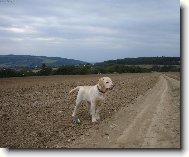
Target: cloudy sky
90,30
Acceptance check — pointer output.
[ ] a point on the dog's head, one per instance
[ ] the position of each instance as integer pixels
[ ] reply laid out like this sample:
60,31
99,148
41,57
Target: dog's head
105,83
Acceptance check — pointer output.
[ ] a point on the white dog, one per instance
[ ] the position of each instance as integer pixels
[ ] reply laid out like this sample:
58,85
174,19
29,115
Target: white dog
92,94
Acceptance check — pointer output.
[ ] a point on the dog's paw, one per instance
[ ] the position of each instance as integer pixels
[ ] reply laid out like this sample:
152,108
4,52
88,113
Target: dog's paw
97,117
94,120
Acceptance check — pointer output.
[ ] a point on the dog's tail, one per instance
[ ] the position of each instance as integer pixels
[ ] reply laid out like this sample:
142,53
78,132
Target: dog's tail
76,88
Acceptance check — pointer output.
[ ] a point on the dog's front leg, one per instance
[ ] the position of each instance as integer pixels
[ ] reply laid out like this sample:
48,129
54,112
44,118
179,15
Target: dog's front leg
89,107
93,111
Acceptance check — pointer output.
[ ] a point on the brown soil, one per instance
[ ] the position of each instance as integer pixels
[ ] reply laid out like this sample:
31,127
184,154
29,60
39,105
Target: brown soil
35,112
174,75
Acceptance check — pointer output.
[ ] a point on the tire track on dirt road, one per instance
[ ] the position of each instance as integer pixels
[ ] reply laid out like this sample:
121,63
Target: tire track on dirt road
133,135
154,122
155,127
164,130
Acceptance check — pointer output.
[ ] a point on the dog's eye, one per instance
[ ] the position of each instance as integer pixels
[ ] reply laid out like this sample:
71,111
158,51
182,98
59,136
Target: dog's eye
107,82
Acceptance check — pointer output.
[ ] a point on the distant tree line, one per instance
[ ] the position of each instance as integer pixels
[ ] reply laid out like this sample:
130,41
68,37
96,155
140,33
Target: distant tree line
143,61
85,69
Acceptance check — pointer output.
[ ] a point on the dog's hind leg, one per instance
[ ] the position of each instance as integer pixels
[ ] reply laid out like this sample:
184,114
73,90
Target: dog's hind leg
78,101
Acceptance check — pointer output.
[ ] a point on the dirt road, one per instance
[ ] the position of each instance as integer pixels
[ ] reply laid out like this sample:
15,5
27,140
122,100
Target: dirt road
153,121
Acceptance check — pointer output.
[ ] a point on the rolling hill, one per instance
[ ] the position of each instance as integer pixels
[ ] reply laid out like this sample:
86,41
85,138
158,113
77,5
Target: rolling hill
32,61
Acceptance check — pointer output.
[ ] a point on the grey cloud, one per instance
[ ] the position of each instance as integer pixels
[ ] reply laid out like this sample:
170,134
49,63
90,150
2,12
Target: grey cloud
90,30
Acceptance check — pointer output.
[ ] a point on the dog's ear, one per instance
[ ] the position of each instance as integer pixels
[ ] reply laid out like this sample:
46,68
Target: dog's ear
102,85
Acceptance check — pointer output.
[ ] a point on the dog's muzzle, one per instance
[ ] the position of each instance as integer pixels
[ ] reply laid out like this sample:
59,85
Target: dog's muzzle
111,87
